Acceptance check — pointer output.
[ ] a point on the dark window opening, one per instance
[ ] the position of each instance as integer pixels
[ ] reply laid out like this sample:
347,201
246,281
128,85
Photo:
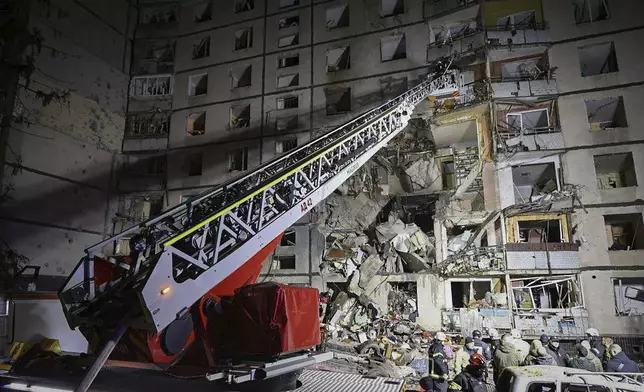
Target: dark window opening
202,12
538,232
448,171
194,163
285,145
198,85
290,60
531,182
624,231
338,59
288,239
288,40
606,113
337,17
338,101
402,300
241,77
201,49
291,80
288,3
240,116
391,8
286,262
393,48
587,11
598,59
238,159
288,102
244,5
615,170
419,210
289,21
197,124
244,39
286,123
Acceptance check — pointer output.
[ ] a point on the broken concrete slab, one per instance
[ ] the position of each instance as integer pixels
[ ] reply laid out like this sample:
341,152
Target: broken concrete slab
368,269
414,263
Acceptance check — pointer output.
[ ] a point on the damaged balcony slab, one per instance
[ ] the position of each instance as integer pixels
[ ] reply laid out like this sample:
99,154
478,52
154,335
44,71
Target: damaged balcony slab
542,256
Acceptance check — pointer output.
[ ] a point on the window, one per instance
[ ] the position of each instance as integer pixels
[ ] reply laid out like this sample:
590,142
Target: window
244,5
337,17
532,182
238,159
338,59
448,171
241,77
393,48
202,12
542,387
629,296
185,198
285,145
529,122
154,57
547,231
288,123
288,102
338,100
198,85
201,49
151,86
288,80
606,113
530,68
392,87
583,388
159,15
624,231
546,292
289,60
598,59
197,124
239,116
590,11
615,170
288,3
147,125
286,262
194,164
519,21
288,40
288,239
465,292
244,39
391,8
289,21
447,34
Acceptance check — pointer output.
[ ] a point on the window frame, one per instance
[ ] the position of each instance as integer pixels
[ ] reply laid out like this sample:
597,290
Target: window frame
191,83
522,130
591,20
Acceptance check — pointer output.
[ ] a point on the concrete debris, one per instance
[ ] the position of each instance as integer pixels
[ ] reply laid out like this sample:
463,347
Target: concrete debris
458,242
422,174
352,213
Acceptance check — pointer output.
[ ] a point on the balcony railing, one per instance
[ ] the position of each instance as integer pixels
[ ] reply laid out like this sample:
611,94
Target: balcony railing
518,35
481,259
147,126
524,88
153,86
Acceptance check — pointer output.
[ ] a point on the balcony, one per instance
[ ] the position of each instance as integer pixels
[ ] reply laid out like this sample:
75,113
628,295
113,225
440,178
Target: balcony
502,36
501,88
542,256
151,87
458,46
134,184
145,132
479,260
464,321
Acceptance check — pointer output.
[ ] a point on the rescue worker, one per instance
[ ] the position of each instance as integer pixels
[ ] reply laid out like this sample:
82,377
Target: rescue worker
619,362
606,343
478,342
461,360
593,358
505,356
495,339
595,341
538,355
472,379
521,345
580,361
553,350
470,347
544,340
438,371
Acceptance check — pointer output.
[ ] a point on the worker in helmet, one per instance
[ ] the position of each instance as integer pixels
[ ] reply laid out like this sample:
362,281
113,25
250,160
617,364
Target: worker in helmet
438,370
521,345
472,379
505,356
596,346
477,337
495,339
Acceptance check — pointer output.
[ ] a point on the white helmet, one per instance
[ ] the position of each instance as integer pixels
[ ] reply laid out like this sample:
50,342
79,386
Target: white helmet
494,334
592,332
440,336
515,333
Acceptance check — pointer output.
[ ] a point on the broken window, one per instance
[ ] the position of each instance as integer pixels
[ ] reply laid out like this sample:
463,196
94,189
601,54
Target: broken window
151,86
290,60
202,12
519,21
197,124
288,239
615,170
288,40
529,122
240,116
530,68
337,17
241,76
590,11
285,145
393,48
402,300
624,231
198,85
606,113
597,59
244,5
338,59
447,34
286,123
547,292
291,80
238,159
546,231
155,57
288,3
194,163
147,125
392,87
465,293
286,262
243,39
289,21
288,102
448,173
338,100
531,182
159,15
629,296
201,49
391,8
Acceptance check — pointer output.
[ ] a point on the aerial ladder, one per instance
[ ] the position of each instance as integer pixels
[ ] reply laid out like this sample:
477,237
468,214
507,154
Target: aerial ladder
216,242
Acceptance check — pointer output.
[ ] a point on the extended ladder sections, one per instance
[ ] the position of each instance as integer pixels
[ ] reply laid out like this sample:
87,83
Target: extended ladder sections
179,256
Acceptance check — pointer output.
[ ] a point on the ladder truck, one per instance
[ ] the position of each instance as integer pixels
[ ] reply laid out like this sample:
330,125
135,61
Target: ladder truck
183,261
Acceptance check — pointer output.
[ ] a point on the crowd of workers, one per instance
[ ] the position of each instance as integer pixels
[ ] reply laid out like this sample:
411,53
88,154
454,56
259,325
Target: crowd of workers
464,367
